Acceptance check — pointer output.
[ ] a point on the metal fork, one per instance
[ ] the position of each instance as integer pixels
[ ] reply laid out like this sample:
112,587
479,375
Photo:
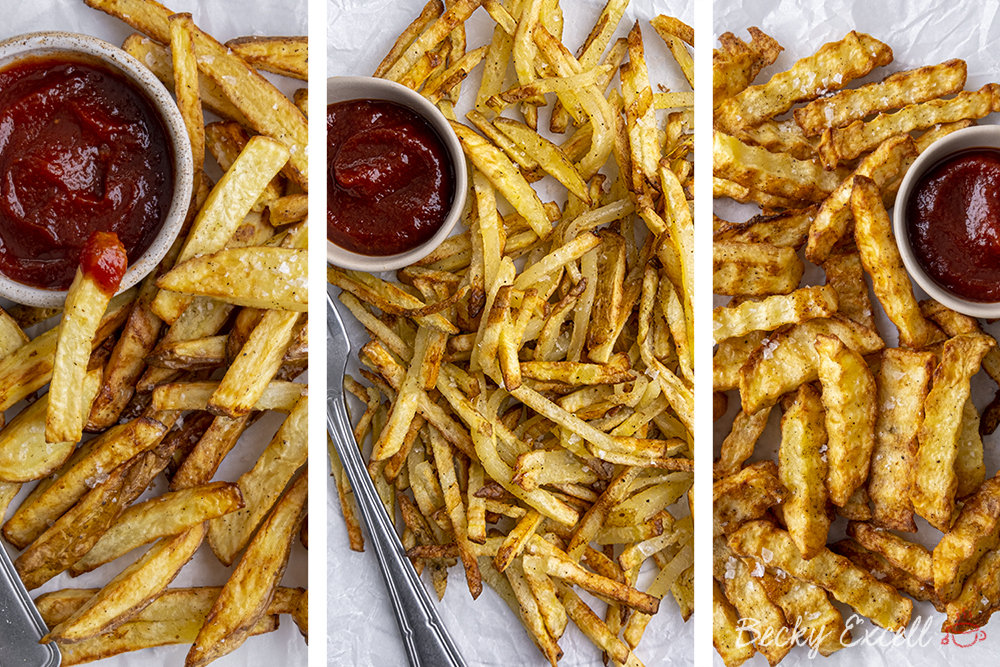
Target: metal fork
426,640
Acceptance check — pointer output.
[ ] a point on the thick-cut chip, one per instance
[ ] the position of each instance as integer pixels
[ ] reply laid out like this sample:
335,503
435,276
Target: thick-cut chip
774,173
845,581
969,467
803,471
169,514
288,56
270,278
976,531
131,591
247,595
789,359
774,312
262,486
737,64
935,482
730,355
751,269
849,399
881,259
893,92
903,380
848,143
832,67
24,453
102,266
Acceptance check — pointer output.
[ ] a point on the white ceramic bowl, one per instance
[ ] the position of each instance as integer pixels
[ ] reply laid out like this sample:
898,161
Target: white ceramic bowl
983,136
48,43
344,88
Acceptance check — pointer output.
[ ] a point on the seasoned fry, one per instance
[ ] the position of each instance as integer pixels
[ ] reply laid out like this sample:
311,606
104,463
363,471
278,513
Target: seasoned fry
803,470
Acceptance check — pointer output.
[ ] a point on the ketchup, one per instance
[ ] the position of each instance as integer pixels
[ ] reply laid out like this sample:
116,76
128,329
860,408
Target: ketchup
103,260
390,182
953,220
81,150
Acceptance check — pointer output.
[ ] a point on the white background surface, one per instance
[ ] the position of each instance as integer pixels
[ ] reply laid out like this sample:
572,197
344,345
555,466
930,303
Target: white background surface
362,630
919,33
223,19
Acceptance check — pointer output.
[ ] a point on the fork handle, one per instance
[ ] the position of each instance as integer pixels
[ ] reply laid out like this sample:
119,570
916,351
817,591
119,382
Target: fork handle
424,636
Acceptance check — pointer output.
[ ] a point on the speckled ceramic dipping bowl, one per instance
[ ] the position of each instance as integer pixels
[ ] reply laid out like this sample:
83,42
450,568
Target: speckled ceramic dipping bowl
344,88
49,43
983,136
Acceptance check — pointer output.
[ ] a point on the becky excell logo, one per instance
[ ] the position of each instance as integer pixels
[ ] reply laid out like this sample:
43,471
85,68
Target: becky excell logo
919,634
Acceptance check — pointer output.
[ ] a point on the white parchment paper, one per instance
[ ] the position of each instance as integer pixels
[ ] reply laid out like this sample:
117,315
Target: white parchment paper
920,33
223,19
362,630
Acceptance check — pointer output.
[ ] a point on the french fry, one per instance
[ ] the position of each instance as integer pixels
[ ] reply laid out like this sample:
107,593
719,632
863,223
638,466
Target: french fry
262,485
975,532
247,595
803,470
288,56
102,266
934,481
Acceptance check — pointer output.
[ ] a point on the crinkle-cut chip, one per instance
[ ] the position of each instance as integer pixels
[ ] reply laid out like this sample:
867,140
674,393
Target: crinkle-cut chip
745,495
908,556
808,608
969,467
722,187
976,531
803,465
745,589
737,64
788,359
780,137
832,67
751,269
788,229
894,92
845,581
731,640
739,444
774,173
773,312
886,572
730,355
834,218
856,508
903,381
954,323
849,142
846,275
979,598
882,261
849,399
935,482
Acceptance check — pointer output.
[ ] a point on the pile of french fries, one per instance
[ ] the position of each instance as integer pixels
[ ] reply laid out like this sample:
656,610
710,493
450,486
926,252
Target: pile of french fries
871,433
169,375
529,400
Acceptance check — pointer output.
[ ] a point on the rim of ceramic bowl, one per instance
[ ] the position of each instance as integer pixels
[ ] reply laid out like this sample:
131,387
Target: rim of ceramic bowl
344,88
981,136
33,44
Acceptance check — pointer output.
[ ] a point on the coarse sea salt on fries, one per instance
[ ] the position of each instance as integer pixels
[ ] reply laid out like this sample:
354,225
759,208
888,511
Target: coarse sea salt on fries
892,432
